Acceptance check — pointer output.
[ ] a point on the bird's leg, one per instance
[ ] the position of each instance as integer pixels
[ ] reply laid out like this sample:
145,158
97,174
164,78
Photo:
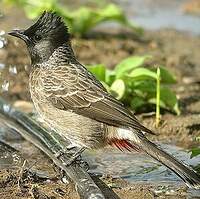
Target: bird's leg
70,152
69,155
74,154
76,158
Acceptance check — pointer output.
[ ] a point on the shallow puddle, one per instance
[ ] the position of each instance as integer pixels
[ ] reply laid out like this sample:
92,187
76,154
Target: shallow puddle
136,166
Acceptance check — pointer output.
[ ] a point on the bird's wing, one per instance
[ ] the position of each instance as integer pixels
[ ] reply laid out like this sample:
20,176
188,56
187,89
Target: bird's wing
73,88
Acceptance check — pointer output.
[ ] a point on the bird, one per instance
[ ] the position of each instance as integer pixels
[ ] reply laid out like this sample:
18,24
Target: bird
71,101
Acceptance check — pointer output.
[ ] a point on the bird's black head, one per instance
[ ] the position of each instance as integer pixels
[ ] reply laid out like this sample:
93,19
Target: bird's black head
43,37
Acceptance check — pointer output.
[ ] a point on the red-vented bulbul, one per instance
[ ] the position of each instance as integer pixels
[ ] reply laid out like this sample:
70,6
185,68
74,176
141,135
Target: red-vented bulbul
75,104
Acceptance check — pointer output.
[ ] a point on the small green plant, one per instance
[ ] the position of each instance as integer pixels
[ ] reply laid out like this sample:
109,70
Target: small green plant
196,151
158,98
137,86
81,20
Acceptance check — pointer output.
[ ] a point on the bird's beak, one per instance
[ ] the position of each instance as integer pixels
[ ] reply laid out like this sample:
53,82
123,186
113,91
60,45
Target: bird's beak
19,33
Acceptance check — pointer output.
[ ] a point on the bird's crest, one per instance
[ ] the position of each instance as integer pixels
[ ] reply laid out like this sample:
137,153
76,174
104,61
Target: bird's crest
47,23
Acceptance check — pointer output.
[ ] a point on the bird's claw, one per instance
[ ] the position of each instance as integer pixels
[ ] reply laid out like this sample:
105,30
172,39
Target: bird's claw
73,157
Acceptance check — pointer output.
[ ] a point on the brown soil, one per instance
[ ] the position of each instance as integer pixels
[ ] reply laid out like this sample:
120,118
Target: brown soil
33,188
177,51
38,178
55,189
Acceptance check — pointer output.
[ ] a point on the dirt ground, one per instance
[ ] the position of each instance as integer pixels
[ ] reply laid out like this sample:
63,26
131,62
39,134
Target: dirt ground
38,178
179,52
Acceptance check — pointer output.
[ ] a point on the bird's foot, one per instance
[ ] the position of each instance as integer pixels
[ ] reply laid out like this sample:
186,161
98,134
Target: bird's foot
79,161
72,155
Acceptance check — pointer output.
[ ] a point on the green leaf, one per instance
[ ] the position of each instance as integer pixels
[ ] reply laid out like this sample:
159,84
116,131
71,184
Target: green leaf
166,76
168,99
137,102
153,101
118,88
98,70
198,139
110,76
148,86
113,12
129,64
142,73
15,2
80,20
34,8
85,18
195,152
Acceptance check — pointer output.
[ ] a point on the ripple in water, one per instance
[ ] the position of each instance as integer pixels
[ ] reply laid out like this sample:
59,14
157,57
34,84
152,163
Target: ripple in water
3,40
5,85
13,70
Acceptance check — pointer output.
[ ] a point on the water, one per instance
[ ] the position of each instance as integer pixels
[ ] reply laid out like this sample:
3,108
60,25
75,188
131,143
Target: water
3,40
137,167
4,70
9,157
5,85
157,14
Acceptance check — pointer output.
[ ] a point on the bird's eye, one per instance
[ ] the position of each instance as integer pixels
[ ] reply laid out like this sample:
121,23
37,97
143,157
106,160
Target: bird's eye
37,37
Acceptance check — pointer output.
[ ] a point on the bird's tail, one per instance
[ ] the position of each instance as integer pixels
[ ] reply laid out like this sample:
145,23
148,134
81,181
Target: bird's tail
188,175
129,140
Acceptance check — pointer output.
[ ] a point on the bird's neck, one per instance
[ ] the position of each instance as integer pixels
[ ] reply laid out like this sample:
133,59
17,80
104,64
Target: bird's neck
62,54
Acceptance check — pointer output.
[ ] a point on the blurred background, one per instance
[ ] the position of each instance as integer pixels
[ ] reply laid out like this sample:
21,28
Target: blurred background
145,52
